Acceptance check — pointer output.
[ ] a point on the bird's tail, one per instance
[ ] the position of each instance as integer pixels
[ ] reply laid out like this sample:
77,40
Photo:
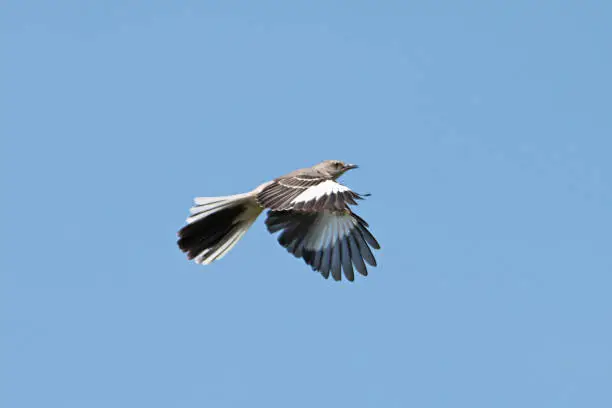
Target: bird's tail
216,224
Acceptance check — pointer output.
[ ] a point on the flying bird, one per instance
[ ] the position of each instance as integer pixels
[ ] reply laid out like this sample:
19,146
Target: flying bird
309,207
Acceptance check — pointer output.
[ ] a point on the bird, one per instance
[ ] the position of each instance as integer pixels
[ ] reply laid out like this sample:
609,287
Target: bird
309,208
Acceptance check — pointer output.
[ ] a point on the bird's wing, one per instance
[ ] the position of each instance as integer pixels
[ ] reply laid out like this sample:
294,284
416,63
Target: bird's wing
329,241
306,193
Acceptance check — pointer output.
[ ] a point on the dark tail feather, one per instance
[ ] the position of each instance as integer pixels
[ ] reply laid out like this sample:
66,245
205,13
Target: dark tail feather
215,227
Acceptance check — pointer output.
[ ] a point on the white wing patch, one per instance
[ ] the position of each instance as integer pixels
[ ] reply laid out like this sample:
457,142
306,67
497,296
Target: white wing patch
330,228
326,188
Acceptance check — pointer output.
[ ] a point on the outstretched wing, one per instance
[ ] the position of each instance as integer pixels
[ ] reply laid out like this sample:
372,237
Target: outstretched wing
327,241
307,194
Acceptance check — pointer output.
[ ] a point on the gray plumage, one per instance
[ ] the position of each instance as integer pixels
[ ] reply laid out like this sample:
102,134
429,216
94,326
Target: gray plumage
309,209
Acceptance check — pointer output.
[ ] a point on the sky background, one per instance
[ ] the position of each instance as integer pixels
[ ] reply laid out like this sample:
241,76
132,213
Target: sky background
483,130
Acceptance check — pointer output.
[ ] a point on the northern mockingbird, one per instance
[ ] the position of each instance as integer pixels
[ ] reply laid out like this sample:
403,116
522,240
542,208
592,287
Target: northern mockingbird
310,208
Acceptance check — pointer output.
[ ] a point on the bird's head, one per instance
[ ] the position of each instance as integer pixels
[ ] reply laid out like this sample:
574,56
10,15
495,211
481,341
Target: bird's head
334,168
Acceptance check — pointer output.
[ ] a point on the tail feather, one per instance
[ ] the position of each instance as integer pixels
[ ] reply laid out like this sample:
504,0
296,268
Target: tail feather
207,205
223,247
216,224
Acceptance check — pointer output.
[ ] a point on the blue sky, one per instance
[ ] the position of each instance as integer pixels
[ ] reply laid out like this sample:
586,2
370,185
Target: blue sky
483,132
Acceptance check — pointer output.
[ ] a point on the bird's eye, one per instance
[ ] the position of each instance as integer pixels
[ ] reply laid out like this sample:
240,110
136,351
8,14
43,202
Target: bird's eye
338,164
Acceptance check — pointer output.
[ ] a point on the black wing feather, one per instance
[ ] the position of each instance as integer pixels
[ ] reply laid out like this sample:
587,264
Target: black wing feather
345,244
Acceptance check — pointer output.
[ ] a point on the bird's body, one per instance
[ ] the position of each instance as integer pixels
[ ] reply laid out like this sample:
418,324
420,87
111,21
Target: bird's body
307,205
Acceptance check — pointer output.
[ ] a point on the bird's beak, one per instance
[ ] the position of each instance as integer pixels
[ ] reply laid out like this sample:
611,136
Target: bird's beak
350,167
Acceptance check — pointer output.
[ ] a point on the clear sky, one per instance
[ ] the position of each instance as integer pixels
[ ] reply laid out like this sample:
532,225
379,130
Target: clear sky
483,130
